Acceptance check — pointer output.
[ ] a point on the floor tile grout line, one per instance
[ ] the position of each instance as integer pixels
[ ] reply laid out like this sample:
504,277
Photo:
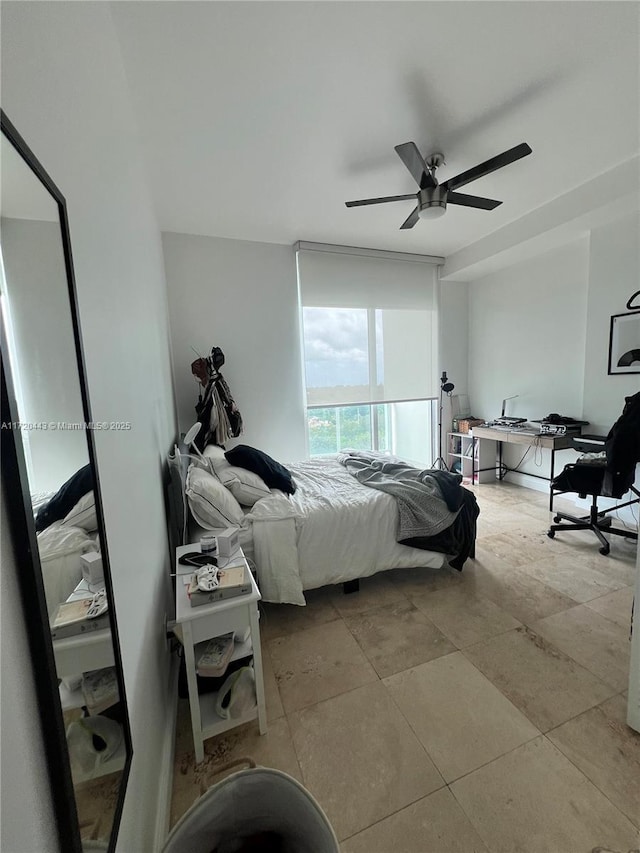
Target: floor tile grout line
568,654
397,811
335,696
522,711
498,758
502,755
476,827
635,823
590,781
462,650
433,625
433,760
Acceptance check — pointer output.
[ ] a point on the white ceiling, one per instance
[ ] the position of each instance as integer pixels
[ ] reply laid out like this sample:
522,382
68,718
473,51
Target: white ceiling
259,120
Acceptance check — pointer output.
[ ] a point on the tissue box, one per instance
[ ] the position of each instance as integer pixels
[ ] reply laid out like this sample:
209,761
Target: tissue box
228,542
92,570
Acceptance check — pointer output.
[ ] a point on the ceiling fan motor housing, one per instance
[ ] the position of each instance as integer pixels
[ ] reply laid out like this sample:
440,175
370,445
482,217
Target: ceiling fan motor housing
432,202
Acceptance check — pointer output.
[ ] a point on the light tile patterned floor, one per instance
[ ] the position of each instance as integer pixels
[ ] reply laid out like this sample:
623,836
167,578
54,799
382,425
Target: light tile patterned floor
446,712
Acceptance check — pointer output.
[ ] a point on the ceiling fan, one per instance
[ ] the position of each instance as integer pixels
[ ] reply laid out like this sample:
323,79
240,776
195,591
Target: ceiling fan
433,197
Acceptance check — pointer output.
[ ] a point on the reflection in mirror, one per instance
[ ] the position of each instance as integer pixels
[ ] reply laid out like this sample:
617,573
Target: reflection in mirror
50,426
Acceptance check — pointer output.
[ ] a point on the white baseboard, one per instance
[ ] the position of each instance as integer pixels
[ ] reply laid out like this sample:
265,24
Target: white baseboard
627,515
527,481
165,782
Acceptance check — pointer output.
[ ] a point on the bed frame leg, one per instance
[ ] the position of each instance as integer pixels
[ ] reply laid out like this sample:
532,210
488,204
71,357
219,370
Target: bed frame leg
351,586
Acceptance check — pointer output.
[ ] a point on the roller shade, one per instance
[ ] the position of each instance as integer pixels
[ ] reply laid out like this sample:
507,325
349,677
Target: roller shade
369,328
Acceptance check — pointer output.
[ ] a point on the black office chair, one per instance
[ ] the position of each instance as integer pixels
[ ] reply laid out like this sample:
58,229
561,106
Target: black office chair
612,478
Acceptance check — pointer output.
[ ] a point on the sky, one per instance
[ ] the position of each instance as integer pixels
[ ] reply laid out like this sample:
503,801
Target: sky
336,346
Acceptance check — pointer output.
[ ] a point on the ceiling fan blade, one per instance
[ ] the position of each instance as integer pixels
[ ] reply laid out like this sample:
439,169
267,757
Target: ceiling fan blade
472,201
411,220
363,201
488,166
412,159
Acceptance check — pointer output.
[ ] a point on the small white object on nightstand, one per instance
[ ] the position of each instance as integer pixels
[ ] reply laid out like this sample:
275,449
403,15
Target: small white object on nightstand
92,570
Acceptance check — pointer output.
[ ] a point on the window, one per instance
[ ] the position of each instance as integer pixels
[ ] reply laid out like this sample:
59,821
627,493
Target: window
369,354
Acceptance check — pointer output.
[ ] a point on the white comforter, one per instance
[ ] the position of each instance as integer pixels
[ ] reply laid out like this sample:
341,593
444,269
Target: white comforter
331,530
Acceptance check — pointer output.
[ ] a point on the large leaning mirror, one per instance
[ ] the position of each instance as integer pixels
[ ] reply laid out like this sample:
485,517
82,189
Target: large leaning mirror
52,494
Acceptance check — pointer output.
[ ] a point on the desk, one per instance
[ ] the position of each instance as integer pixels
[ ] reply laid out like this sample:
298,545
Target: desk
515,436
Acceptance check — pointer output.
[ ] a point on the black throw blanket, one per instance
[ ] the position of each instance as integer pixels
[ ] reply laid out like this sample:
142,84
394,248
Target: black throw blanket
459,538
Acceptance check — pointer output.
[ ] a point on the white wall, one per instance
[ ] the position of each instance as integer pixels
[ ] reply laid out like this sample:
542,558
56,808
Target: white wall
540,329
42,332
453,333
242,297
614,274
527,330
453,345
64,88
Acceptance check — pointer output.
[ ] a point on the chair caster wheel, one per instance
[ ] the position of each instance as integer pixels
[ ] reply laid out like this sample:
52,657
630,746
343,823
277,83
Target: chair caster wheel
556,519
604,550
551,534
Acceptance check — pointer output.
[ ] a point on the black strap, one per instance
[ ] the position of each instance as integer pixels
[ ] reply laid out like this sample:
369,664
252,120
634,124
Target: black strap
196,559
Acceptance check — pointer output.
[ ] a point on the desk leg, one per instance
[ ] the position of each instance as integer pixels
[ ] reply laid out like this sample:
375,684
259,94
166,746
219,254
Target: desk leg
473,460
257,668
553,465
194,699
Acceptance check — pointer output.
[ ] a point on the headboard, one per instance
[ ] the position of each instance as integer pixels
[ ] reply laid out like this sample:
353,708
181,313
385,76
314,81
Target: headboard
178,506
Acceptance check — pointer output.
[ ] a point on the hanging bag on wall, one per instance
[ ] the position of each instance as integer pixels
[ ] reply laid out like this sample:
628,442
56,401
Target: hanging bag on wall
216,409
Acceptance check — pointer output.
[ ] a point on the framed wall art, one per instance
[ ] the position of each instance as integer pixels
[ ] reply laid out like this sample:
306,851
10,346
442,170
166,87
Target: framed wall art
624,343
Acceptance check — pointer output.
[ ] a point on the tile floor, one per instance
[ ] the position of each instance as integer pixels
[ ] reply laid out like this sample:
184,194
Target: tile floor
445,712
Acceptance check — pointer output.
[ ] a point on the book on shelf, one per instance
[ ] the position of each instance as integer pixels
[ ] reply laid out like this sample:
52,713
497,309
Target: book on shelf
100,689
233,581
71,619
213,656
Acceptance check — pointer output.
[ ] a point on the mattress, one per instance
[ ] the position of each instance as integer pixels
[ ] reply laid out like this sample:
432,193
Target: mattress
60,548
333,529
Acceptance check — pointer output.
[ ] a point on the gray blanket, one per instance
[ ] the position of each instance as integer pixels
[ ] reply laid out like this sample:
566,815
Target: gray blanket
422,510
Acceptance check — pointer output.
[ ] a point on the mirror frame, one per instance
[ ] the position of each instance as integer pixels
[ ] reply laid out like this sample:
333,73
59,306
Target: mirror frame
17,496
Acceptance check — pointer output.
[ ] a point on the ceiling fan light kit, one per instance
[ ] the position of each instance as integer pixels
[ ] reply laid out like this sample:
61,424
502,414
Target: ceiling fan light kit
432,203
432,198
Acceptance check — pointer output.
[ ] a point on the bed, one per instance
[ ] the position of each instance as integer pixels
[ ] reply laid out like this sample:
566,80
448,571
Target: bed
62,543
331,530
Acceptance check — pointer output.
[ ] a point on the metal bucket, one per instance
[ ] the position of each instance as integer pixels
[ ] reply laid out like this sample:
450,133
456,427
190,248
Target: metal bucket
258,809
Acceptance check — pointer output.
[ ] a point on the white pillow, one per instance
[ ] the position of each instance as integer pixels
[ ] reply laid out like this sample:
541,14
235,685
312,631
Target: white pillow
211,504
245,486
83,514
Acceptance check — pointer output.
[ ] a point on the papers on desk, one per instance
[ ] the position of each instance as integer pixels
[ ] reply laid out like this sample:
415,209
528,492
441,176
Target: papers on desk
517,429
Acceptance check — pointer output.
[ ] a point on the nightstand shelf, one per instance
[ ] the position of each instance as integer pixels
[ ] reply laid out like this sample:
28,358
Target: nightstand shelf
212,724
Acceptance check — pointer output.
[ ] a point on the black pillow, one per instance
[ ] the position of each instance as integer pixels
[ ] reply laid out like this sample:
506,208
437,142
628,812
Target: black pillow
65,498
273,473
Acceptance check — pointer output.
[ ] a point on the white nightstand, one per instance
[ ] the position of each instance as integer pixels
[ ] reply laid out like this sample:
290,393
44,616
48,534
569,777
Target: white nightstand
195,624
